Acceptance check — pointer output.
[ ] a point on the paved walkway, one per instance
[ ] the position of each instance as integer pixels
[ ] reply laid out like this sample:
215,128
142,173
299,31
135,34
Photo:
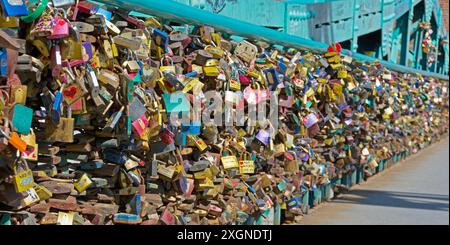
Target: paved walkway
415,191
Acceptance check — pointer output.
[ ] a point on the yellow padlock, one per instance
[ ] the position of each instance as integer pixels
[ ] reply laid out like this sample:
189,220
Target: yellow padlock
82,183
19,94
23,180
235,85
194,140
211,71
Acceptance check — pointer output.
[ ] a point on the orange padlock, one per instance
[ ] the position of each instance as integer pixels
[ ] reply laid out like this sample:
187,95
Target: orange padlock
17,142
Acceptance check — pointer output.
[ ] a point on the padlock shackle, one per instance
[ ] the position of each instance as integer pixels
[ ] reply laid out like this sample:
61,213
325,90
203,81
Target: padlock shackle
227,149
244,155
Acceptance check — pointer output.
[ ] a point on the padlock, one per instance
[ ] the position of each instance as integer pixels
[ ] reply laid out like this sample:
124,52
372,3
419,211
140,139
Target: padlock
246,51
140,125
63,132
56,61
60,26
99,23
92,80
132,66
202,57
169,68
130,43
14,7
71,49
44,26
211,71
3,62
32,147
246,166
108,78
217,53
230,161
72,93
18,94
82,27
197,141
9,22
205,33
82,183
23,178
161,38
113,120
88,7
234,85
22,118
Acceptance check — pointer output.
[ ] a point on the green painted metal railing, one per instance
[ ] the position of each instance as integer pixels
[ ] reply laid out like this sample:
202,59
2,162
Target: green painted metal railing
177,12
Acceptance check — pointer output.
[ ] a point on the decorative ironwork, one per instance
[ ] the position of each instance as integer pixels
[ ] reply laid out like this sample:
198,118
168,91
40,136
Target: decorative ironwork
218,5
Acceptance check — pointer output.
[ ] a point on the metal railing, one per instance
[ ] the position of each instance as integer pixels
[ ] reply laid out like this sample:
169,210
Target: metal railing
180,13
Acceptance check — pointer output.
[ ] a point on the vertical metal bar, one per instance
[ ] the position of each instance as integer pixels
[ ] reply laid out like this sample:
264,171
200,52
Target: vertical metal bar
419,45
354,44
436,54
381,53
406,40
286,18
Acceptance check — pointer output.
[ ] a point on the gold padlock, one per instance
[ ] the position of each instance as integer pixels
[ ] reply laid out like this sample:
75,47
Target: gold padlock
216,52
108,77
132,66
246,166
197,141
23,179
32,147
71,49
211,71
19,94
234,85
82,183
230,161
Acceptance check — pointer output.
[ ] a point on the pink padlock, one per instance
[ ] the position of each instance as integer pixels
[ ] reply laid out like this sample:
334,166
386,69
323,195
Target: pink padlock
56,61
286,101
256,96
140,125
250,95
245,80
60,29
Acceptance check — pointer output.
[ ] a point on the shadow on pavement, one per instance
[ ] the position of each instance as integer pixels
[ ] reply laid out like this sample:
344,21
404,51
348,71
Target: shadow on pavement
397,199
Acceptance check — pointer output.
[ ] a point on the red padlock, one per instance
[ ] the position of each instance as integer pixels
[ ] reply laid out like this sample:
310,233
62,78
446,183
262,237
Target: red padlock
166,136
335,47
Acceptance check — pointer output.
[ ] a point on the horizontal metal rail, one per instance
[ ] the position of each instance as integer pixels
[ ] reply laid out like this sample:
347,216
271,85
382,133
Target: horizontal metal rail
181,13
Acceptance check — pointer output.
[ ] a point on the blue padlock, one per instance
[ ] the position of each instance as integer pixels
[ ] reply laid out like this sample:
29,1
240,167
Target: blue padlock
272,76
292,203
91,165
114,156
193,128
191,74
14,7
105,13
136,204
56,108
282,67
162,38
3,62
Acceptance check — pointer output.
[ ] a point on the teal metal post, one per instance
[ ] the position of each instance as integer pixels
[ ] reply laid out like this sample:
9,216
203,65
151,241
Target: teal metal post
286,18
436,44
419,54
356,8
404,56
417,41
381,53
